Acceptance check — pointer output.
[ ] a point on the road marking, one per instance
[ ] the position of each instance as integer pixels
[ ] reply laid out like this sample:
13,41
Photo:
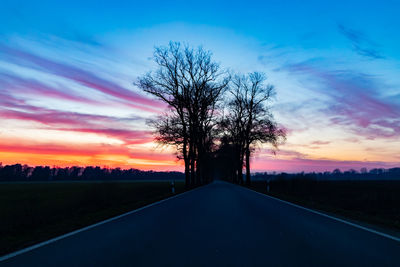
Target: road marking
19,252
330,217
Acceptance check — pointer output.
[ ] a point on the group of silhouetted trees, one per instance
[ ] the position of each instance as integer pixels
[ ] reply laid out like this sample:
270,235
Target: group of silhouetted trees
220,167
209,112
18,172
248,121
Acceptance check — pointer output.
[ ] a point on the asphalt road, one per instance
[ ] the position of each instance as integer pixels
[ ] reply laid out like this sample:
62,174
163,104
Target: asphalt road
218,225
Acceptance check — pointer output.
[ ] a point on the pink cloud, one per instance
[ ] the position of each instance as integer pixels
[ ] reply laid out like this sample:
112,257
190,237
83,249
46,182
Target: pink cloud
355,101
318,142
16,85
52,117
85,78
18,109
130,137
77,122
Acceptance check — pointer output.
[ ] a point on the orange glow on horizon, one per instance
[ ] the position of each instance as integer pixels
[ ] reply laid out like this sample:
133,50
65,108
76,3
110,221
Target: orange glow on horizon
66,155
83,161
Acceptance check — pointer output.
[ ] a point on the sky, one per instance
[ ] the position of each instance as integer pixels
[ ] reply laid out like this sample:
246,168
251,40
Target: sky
67,70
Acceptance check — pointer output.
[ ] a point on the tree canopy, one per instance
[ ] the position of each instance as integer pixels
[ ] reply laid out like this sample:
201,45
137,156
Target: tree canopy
195,87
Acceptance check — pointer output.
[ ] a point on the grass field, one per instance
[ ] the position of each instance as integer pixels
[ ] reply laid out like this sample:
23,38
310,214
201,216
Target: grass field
372,202
34,212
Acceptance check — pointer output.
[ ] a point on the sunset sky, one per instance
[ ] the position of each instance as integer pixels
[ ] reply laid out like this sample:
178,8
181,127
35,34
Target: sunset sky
67,70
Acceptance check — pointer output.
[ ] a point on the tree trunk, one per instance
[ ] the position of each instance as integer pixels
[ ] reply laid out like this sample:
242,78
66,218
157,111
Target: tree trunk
248,177
240,174
187,173
240,169
185,151
200,164
192,165
237,166
187,164
199,167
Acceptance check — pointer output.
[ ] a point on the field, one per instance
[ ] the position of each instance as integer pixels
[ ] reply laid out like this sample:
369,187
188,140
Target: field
372,202
34,212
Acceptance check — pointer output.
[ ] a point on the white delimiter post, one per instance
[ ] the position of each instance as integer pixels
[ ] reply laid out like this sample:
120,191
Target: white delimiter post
173,187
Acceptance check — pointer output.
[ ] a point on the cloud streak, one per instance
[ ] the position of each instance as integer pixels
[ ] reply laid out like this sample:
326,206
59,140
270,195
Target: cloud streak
17,85
360,43
82,77
12,108
355,101
19,92
129,137
318,142
80,123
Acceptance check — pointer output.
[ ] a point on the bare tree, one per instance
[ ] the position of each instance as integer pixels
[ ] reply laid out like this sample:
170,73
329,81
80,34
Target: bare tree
233,126
249,122
191,83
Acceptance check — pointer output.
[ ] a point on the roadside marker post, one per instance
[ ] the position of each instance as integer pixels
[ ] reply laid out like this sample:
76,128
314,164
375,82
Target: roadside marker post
173,187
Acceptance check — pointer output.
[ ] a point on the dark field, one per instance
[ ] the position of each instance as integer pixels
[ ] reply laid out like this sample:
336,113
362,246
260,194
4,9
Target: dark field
34,212
373,202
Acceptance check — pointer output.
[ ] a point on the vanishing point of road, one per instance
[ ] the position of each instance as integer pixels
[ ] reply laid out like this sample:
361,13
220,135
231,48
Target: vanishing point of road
219,224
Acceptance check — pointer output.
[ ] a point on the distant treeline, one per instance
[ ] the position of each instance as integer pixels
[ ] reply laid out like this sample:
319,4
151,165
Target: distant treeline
18,172
363,174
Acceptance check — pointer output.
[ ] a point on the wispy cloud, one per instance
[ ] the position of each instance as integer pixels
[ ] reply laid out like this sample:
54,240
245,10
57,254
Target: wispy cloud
129,137
12,108
360,43
355,100
27,96
77,122
82,77
318,142
14,85
53,117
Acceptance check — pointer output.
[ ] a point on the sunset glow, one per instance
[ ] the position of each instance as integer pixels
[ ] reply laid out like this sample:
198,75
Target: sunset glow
67,96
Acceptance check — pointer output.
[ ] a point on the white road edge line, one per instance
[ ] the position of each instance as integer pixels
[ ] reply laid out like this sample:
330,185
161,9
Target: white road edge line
330,217
44,243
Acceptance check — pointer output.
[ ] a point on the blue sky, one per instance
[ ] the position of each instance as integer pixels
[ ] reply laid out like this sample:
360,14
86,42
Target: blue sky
335,67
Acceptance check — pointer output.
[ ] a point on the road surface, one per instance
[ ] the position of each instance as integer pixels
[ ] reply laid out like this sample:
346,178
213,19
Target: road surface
218,225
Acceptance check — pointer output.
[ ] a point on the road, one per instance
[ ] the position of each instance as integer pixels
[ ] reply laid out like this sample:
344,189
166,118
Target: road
218,225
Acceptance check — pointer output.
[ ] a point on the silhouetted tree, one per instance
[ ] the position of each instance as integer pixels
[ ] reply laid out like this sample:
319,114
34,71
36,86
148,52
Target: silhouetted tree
233,125
41,173
191,83
75,172
249,121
